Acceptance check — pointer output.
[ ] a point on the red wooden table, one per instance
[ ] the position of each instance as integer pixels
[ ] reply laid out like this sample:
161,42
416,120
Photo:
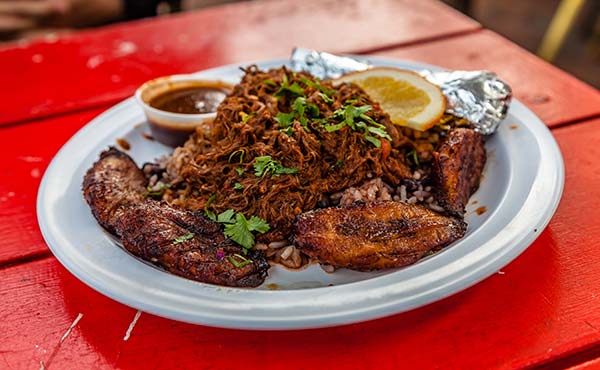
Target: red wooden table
543,310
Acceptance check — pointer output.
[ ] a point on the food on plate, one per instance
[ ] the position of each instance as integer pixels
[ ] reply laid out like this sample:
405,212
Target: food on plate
281,141
182,242
458,163
407,97
374,236
293,170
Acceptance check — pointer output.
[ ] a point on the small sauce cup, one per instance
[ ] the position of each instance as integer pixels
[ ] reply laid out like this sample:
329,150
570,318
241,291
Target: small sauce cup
162,100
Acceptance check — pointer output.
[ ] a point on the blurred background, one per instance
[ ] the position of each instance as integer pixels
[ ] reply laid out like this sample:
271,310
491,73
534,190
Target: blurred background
564,32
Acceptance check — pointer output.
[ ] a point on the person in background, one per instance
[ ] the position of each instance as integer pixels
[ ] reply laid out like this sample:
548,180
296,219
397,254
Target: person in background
31,18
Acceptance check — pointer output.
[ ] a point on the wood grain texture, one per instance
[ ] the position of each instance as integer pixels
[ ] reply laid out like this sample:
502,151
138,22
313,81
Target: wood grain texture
541,307
555,96
105,65
26,152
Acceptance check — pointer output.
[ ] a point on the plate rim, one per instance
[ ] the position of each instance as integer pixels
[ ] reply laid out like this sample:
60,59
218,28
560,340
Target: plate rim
541,133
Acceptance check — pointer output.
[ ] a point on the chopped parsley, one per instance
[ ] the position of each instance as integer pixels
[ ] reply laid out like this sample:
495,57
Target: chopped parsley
238,186
239,170
183,238
267,165
239,229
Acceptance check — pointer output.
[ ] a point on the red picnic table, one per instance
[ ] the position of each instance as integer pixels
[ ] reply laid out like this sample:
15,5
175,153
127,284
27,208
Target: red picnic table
543,310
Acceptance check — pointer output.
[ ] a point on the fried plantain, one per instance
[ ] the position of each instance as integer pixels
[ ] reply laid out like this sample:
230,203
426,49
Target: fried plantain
373,236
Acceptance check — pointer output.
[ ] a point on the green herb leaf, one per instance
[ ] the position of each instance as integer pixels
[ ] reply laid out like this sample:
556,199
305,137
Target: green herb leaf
379,132
414,156
285,119
238,186
288,131
356,118
258,224
267,165
239,232
210,214
326,98
210,199
226,217
318,86
269,82
338,164
332,128
183,238
287,89
373,140
239,229
239,170
234,260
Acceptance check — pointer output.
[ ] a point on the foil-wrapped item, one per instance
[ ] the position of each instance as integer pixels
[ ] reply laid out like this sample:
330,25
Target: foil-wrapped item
479,96
324,65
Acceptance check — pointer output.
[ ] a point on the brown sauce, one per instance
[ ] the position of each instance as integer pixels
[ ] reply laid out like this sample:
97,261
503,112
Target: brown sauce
124,144
481,210
190,100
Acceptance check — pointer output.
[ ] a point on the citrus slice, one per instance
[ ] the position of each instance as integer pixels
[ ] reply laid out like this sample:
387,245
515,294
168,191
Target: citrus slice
408,98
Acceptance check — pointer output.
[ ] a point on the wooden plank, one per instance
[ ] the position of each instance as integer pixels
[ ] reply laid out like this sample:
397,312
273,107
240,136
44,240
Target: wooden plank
552,94
105,65
26,152
541,307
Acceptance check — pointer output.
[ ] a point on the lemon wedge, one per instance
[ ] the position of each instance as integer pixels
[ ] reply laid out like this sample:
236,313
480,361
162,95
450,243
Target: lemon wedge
408,98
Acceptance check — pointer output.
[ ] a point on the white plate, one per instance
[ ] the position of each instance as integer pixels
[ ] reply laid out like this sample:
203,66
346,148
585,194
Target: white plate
521,188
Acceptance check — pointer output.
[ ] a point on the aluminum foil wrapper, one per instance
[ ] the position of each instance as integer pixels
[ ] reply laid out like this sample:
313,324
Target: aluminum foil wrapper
479,96
324,65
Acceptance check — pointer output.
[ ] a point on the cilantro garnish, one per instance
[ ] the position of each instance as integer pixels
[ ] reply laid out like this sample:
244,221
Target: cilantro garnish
326,98
239,229
287,89
183,238
318,86
288,131
267,165
239,170
301,111
356,118
234,260
238,186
